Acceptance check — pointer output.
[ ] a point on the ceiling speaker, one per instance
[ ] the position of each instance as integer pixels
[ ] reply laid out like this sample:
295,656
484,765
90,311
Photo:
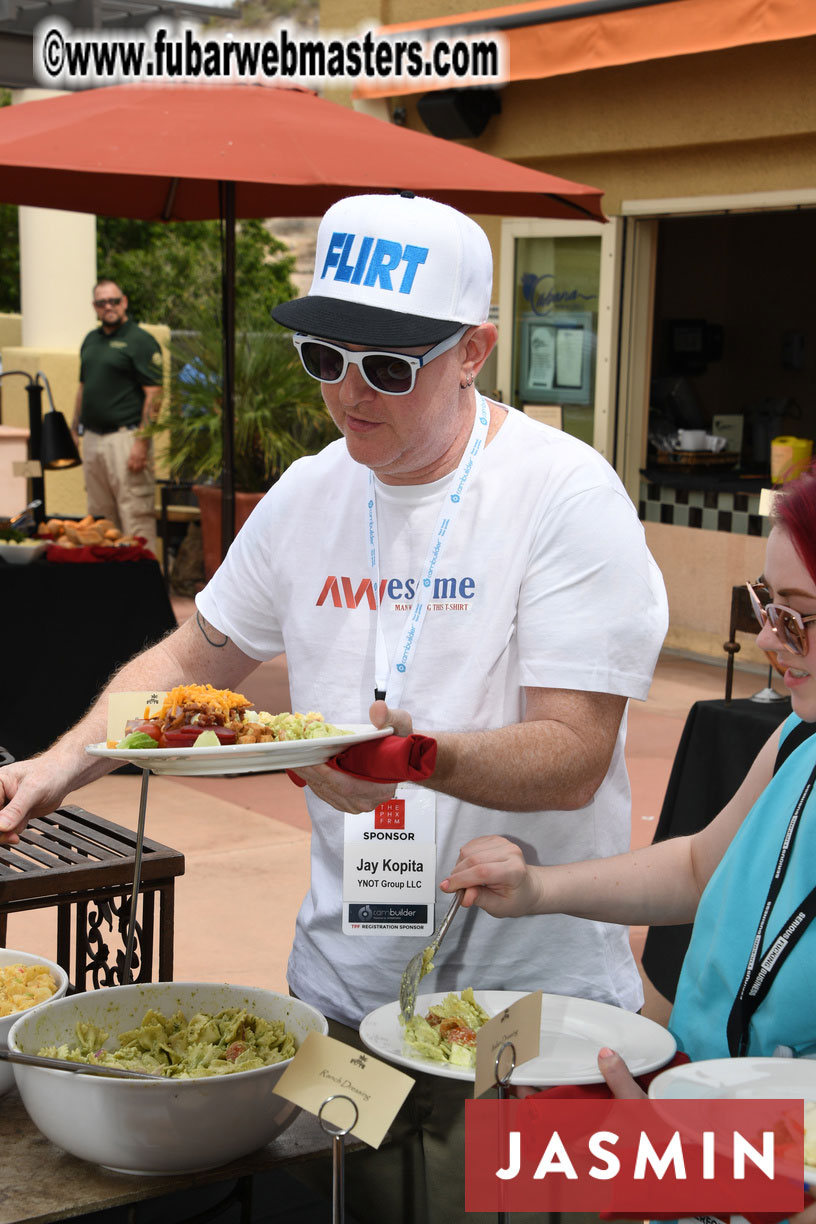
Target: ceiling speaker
458,114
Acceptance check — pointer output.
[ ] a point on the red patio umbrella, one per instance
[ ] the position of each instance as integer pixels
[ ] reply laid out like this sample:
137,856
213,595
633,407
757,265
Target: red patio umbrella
193,152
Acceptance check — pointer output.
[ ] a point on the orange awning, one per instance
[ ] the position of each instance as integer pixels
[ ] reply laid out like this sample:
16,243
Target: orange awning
550,38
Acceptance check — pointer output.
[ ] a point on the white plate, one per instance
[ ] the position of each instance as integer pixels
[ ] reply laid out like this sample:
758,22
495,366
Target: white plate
572,1033
21,554
242,758
766,1079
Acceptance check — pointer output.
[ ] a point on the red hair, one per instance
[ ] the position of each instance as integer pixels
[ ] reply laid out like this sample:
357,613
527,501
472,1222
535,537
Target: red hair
795,512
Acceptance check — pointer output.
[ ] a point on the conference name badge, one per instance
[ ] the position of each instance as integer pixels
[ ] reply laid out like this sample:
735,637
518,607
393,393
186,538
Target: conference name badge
389,866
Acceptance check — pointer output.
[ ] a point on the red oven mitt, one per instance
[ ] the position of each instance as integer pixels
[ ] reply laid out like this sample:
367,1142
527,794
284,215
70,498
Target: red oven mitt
395,758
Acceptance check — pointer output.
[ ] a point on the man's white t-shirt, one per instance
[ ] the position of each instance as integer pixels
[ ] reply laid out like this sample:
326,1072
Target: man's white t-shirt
545,581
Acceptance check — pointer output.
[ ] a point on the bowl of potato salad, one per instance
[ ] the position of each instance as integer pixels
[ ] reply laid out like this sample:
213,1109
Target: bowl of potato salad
26,981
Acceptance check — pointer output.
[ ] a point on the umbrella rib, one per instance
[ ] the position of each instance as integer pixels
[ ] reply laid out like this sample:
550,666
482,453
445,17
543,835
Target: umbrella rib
572,204
170,199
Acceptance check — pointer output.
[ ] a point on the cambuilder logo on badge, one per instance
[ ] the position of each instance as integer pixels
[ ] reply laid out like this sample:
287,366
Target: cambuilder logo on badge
372,263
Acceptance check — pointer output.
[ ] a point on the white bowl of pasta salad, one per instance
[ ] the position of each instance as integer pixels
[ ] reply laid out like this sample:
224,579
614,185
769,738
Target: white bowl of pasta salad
214,1053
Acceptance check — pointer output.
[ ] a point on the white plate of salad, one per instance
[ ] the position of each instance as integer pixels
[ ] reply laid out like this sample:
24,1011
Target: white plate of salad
242,758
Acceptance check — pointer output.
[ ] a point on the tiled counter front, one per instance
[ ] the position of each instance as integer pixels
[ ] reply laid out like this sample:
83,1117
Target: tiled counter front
712,509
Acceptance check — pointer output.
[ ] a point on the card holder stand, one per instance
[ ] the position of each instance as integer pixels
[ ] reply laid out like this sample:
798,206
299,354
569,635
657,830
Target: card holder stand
338,1135
502,1080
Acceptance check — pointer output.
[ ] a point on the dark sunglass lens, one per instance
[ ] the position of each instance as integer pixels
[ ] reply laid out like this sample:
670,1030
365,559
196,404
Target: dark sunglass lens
322,361
388,373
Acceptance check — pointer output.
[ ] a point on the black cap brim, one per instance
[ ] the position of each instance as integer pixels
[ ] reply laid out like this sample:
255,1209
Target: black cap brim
352,323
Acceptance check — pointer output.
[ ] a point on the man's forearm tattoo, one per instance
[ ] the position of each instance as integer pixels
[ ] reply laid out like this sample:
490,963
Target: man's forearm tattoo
204,626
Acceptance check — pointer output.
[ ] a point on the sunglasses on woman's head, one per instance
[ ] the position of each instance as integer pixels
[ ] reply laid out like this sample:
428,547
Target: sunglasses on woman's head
787,624
388,373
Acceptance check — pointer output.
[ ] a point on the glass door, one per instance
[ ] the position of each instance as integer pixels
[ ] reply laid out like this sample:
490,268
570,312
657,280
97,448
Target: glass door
556,325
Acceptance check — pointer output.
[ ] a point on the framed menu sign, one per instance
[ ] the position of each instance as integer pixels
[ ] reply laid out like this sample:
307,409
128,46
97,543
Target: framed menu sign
556,358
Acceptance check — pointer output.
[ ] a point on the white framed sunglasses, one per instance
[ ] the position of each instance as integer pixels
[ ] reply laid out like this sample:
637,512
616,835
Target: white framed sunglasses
386,372
788,624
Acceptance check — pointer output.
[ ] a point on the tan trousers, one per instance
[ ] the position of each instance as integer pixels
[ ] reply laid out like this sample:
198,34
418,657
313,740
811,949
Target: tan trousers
114,492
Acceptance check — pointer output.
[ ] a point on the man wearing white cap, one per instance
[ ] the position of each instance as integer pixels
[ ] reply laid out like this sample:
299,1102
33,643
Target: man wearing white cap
486,577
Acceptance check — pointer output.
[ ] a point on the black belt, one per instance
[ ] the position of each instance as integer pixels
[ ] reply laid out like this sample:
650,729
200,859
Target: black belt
113,428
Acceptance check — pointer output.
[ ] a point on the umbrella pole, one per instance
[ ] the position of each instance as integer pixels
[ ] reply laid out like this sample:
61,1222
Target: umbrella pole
228,394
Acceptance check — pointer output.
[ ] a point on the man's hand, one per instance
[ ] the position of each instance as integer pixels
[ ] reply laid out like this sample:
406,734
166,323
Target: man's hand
139,454
493,875
348,794
29,788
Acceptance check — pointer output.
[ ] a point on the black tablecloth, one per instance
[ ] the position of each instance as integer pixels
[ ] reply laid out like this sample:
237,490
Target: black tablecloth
719,743
65,629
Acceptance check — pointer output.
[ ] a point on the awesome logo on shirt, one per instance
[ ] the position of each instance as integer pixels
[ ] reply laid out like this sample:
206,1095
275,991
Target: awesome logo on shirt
449,594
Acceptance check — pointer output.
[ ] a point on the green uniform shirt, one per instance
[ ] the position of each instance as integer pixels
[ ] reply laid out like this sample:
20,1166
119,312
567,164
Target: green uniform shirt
113,370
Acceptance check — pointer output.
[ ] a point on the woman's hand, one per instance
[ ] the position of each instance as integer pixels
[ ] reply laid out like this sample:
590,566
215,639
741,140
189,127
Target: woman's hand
619,1079
808,1216
493,875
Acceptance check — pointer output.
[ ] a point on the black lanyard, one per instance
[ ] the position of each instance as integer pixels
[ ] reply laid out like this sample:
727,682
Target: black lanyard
758,979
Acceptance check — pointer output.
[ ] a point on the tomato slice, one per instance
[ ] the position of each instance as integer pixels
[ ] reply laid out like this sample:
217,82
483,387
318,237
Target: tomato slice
146,727
185,737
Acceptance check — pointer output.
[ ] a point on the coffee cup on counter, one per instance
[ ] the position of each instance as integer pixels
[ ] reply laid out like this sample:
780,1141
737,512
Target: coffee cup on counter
691,440
715,444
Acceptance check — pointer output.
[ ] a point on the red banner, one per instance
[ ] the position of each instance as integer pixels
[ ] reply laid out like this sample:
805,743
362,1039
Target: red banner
635,1157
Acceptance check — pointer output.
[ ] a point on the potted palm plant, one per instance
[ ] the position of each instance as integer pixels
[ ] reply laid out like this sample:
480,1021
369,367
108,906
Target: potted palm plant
279,416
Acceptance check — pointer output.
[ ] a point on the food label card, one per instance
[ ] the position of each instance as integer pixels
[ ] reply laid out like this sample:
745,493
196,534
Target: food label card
124,706
324,1067
520,1024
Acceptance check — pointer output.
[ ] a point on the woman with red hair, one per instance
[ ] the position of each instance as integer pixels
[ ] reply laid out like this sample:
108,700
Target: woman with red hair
747,880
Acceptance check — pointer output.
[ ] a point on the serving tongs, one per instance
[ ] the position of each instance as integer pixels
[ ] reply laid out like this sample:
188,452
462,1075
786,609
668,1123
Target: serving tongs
24,519
63,1064
420,964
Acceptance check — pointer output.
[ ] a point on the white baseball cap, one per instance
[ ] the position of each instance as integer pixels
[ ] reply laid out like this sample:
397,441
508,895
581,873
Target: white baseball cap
394,270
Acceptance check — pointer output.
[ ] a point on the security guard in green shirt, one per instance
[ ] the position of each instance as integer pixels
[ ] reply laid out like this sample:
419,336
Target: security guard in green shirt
120,381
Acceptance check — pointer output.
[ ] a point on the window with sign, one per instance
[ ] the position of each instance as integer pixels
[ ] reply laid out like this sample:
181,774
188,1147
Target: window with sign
555,326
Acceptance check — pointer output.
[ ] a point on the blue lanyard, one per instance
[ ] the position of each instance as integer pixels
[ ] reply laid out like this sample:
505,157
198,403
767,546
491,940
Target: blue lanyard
390,675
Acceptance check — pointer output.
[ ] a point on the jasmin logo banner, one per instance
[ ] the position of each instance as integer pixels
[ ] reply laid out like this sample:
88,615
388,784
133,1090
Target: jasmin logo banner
635,1157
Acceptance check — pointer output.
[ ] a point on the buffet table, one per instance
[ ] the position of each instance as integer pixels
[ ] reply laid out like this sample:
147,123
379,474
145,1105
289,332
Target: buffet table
719,743
68,626
39,1182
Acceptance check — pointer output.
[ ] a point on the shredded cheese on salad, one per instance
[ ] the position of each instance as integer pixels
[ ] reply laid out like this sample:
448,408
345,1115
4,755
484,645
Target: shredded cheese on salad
220,703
